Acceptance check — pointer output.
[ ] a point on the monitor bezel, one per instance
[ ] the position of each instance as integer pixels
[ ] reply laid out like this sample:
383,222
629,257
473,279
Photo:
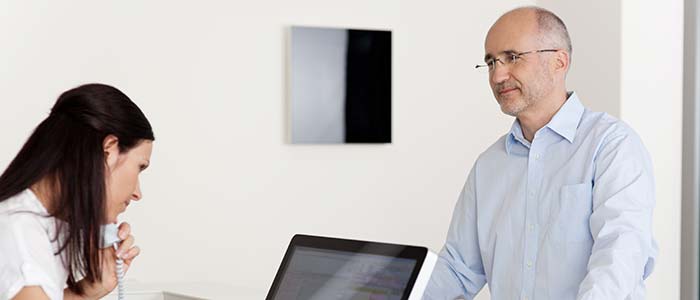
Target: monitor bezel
353,246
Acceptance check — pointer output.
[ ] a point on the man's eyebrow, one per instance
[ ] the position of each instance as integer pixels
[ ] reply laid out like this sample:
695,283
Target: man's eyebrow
490,56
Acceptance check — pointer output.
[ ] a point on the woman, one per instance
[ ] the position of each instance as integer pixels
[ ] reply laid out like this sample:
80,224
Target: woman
77,171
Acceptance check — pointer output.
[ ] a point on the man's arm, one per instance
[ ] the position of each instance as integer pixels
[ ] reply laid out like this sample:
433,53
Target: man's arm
459,270
623,200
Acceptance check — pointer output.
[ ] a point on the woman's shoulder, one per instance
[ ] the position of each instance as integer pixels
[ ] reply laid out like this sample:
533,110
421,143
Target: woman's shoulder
23,201
23,223
26,246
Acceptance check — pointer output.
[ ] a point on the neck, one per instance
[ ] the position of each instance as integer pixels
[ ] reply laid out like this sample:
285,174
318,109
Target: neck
44,192
539,114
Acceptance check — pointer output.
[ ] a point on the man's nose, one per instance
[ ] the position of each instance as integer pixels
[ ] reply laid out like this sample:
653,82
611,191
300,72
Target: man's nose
500,73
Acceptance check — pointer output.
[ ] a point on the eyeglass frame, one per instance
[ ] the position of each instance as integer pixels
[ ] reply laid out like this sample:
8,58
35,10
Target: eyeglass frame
511,53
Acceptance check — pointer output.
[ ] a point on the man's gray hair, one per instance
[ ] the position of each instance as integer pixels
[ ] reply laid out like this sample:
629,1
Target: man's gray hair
551,27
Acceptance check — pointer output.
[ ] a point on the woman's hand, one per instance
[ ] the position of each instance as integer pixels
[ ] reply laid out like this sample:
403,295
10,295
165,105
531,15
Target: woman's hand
127,251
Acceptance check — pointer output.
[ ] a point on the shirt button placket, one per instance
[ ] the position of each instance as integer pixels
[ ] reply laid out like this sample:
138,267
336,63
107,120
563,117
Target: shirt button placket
534,180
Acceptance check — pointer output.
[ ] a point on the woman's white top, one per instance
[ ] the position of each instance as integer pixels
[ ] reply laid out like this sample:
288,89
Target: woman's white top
27,248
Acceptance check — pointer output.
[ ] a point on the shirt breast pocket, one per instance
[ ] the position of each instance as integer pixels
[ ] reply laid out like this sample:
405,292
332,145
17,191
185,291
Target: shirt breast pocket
575,207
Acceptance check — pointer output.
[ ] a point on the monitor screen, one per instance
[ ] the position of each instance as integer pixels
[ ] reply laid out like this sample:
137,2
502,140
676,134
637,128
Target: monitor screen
314,273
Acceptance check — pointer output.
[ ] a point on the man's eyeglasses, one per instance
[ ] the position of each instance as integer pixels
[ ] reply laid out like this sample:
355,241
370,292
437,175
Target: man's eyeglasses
509,58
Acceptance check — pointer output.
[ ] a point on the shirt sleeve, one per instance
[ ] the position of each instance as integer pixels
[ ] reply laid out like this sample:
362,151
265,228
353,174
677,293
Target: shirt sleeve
26,257
459,271
623,250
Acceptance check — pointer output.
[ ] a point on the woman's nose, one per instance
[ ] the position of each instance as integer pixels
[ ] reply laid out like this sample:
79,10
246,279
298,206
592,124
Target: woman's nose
137,193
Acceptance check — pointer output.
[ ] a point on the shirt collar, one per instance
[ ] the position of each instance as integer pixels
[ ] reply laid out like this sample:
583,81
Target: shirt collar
564,122
515,136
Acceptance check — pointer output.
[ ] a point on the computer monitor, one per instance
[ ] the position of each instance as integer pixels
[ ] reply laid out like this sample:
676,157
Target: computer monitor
324,268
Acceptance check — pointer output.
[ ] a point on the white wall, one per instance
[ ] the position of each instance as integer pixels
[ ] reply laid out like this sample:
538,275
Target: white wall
225,194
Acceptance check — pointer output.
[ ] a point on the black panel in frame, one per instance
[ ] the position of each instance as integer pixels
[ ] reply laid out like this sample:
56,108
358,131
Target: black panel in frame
340,85
368,87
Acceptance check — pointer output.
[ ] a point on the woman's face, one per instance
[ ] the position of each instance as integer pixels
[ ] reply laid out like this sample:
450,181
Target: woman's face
122,175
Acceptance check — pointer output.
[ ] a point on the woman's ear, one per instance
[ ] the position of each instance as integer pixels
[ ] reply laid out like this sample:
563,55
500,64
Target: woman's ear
110,146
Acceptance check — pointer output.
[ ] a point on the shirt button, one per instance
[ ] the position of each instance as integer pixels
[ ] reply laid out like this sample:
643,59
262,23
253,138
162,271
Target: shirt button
525,298
532,227
529,264
537,156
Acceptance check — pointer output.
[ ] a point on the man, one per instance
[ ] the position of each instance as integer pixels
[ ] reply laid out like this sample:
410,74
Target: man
561,206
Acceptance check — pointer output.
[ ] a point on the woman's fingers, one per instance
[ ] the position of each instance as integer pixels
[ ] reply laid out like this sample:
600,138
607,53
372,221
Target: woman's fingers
125,246
131,254
127,251
124,230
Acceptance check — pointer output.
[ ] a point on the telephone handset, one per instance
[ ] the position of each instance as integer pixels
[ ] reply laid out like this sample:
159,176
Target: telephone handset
110,238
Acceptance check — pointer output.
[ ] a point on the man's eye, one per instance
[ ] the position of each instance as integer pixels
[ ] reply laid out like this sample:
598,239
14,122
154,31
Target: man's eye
513,58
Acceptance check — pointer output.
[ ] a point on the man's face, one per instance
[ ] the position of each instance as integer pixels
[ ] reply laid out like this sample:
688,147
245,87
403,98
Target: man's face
518,86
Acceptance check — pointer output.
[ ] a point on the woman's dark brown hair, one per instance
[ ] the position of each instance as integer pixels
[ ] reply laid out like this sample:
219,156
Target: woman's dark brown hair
67,149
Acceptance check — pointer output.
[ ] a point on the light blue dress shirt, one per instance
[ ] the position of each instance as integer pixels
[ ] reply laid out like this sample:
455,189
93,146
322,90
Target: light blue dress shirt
567,216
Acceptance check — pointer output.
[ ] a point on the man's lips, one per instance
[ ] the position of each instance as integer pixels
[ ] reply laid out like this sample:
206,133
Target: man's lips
505,91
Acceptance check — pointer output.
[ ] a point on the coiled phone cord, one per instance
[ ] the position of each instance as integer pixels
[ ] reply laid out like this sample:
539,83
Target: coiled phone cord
120,274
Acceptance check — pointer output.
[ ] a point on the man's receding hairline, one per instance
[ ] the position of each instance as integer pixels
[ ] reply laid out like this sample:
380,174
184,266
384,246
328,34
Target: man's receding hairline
549,26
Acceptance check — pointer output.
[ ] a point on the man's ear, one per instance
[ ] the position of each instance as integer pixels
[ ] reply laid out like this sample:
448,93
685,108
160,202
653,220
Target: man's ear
562,62
110,146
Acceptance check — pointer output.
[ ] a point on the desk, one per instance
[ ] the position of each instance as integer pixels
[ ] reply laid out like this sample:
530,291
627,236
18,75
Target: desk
187,291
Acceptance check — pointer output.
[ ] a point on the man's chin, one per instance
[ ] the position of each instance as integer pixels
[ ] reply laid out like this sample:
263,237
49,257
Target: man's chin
510,112
510,106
